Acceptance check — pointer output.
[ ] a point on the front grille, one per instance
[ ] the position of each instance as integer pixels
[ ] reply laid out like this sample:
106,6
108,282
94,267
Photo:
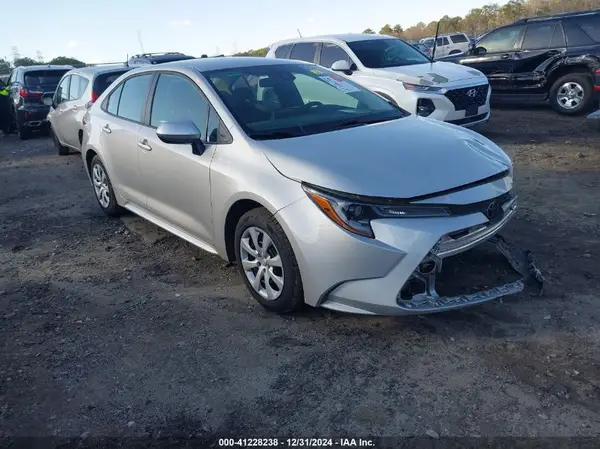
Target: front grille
468,96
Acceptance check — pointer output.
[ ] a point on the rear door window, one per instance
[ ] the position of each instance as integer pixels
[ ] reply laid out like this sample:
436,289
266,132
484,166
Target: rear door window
538,36
304,51
133,97
78,87
442,41
283,51
331,53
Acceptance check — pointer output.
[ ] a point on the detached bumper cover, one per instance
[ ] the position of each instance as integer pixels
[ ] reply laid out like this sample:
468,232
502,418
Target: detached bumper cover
429,301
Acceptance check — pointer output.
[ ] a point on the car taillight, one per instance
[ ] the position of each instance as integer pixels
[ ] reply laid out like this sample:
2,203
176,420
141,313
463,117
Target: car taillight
94,96
26,93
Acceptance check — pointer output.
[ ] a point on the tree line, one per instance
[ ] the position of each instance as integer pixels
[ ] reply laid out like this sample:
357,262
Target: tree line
6,66
477,21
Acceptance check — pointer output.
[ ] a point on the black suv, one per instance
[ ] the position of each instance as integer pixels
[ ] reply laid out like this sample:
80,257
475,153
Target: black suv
156,58
555,58
28,87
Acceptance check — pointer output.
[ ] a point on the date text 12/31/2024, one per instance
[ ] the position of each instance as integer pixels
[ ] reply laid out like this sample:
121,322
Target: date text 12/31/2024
295,442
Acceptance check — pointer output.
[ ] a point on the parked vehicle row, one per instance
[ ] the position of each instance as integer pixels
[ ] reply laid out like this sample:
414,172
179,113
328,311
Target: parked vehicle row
79,88
323,192
398,72
554,58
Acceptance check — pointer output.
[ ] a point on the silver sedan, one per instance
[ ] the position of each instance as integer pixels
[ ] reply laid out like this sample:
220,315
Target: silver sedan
323,193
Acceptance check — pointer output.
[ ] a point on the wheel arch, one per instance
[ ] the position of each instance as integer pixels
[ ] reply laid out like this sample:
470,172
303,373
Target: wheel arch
240,207
563,70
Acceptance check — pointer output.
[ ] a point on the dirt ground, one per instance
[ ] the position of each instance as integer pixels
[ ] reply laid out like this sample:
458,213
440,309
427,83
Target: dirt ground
109,327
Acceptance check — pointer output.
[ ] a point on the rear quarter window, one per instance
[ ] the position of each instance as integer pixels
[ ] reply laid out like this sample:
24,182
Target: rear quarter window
591,27
459,38
283,51
103,82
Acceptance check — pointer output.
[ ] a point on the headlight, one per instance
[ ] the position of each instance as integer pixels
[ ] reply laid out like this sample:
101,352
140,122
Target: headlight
355,215
420,88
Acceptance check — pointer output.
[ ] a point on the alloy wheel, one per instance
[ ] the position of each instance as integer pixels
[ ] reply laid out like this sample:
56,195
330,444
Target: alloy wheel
101,187
570,95
261,262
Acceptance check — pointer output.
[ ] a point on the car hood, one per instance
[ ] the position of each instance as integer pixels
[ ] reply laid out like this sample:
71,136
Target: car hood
435,74
402,158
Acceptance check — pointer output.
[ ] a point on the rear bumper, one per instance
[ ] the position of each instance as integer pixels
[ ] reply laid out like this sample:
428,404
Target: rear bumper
32,117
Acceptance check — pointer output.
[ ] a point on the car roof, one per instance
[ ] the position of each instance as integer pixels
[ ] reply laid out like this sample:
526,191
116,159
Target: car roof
32,68
350,37
99,69
225,62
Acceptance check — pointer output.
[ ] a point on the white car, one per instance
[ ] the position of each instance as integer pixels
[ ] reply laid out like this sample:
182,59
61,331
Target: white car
448,44
398,72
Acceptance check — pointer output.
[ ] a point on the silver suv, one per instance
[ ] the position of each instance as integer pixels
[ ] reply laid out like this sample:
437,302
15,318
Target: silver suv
77,89
322,191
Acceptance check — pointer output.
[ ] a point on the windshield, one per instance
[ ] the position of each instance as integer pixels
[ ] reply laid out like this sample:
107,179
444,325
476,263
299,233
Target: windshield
291,100
382,53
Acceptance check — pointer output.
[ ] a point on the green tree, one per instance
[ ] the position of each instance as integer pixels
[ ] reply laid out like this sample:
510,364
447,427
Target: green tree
5,66
397,31
260,52
387,30
24,61
65,60
368,31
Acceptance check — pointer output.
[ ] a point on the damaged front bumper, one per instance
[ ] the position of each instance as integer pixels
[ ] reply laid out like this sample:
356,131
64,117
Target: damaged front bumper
419,294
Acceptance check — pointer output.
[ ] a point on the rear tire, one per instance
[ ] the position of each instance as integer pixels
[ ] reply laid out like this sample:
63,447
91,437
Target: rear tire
572,94
103,189
267,262
24,133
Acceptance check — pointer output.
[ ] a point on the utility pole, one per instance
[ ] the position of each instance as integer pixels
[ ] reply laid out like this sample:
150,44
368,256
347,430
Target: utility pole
15,54
39,56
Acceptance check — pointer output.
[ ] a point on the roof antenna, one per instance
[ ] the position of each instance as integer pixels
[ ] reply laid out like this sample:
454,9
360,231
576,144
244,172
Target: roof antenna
299,33
437,32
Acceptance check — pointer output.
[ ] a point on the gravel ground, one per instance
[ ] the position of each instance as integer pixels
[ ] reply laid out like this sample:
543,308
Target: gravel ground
110,327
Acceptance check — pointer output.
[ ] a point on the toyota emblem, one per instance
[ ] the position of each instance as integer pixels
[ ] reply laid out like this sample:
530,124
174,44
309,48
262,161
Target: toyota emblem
492,210
472,93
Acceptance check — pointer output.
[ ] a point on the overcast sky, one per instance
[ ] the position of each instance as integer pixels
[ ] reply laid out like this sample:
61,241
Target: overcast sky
107,30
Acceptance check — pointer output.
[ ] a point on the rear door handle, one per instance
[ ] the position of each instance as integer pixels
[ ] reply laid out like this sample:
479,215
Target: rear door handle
106,129
506,56
143,144
75,107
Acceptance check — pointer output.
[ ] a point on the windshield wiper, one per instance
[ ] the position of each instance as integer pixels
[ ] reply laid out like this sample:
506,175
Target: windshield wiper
357,122
272,135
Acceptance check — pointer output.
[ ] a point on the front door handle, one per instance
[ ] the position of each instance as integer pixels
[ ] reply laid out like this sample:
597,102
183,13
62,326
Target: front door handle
106,129
75,107
143,144
506,56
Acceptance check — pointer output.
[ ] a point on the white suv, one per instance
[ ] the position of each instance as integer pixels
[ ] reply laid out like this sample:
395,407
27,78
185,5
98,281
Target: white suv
448,44
398,72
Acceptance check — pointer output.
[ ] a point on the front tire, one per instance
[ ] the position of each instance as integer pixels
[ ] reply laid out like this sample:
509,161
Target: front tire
103,189
572,94
267,262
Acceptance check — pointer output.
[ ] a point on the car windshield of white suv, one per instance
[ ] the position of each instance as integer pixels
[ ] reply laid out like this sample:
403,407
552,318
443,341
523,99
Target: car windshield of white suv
292,100
382,53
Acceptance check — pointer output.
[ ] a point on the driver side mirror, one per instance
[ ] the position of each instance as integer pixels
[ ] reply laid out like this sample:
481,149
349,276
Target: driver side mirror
479,51
342,66
48,101
181,132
